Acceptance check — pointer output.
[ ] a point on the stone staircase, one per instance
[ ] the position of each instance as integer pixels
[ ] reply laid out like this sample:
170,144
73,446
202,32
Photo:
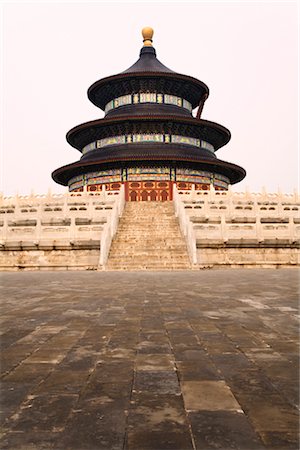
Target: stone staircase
148,238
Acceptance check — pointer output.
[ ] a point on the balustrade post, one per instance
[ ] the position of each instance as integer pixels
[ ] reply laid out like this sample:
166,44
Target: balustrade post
38,230
292,234
259,230
205,198
5,228
65,204
193,193
230,207
103,192
224,233
72,229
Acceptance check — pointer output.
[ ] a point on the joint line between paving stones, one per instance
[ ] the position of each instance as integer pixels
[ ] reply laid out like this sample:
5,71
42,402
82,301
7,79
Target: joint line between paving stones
86,381
228,380
131,393
130,400
25,400
294,405
256,366
5,374
23,403
182,399
75,407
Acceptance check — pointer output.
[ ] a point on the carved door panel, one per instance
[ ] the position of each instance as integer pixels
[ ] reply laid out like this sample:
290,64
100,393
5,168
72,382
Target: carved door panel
164,196
153,196
144,196
133,196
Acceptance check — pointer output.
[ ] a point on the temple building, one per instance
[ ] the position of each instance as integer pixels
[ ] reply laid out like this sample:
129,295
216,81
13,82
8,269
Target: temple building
151,146
149,138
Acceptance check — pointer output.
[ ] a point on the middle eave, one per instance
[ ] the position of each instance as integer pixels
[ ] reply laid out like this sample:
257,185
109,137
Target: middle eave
88,132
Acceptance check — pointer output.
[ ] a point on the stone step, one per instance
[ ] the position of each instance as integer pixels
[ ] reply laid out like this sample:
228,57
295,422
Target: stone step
144,265
136,243
175,243
149,250
149,234
154,223
151,214
141,225
148,267
148,264
147,231
141,257
145,251
157,252
158,238
164,229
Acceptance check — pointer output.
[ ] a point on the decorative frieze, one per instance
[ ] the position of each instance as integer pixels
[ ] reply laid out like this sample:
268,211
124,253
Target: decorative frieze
147,137
148,97
185,175
148,173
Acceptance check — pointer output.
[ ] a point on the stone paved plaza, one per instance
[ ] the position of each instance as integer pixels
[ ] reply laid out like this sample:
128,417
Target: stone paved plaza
150,360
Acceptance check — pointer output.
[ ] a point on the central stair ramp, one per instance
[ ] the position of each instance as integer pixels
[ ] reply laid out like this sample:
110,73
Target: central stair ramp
148,238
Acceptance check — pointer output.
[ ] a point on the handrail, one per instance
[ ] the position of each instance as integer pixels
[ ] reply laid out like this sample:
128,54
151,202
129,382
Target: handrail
186,226
110,228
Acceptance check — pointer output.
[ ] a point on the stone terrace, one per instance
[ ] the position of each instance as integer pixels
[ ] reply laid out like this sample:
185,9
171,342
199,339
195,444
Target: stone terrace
144,360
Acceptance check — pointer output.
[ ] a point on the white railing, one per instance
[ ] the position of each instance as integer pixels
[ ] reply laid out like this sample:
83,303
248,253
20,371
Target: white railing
110,227
241,203
228,216
255,231
66,203
186,226
33,221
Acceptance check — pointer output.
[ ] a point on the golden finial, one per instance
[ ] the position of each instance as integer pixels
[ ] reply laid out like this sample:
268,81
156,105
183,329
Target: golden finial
147,33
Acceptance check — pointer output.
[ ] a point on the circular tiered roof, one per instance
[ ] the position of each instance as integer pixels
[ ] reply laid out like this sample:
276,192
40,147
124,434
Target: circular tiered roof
148,99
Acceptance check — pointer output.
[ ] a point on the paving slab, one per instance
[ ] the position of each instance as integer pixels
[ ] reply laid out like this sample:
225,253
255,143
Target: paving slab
158,420
208,396
224,430
161,382
187,360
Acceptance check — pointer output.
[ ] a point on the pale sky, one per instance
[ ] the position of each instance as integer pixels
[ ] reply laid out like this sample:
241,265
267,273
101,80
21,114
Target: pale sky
246,52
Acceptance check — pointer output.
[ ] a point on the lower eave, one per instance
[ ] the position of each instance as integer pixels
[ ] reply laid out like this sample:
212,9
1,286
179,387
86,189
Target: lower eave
63,174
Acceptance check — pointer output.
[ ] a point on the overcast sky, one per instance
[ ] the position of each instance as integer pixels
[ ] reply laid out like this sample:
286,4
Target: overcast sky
246,52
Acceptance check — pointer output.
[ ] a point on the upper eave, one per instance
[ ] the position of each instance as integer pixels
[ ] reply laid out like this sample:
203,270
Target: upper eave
104,90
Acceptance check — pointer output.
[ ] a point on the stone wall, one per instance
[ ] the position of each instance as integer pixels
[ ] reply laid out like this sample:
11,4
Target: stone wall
247,257
50,259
